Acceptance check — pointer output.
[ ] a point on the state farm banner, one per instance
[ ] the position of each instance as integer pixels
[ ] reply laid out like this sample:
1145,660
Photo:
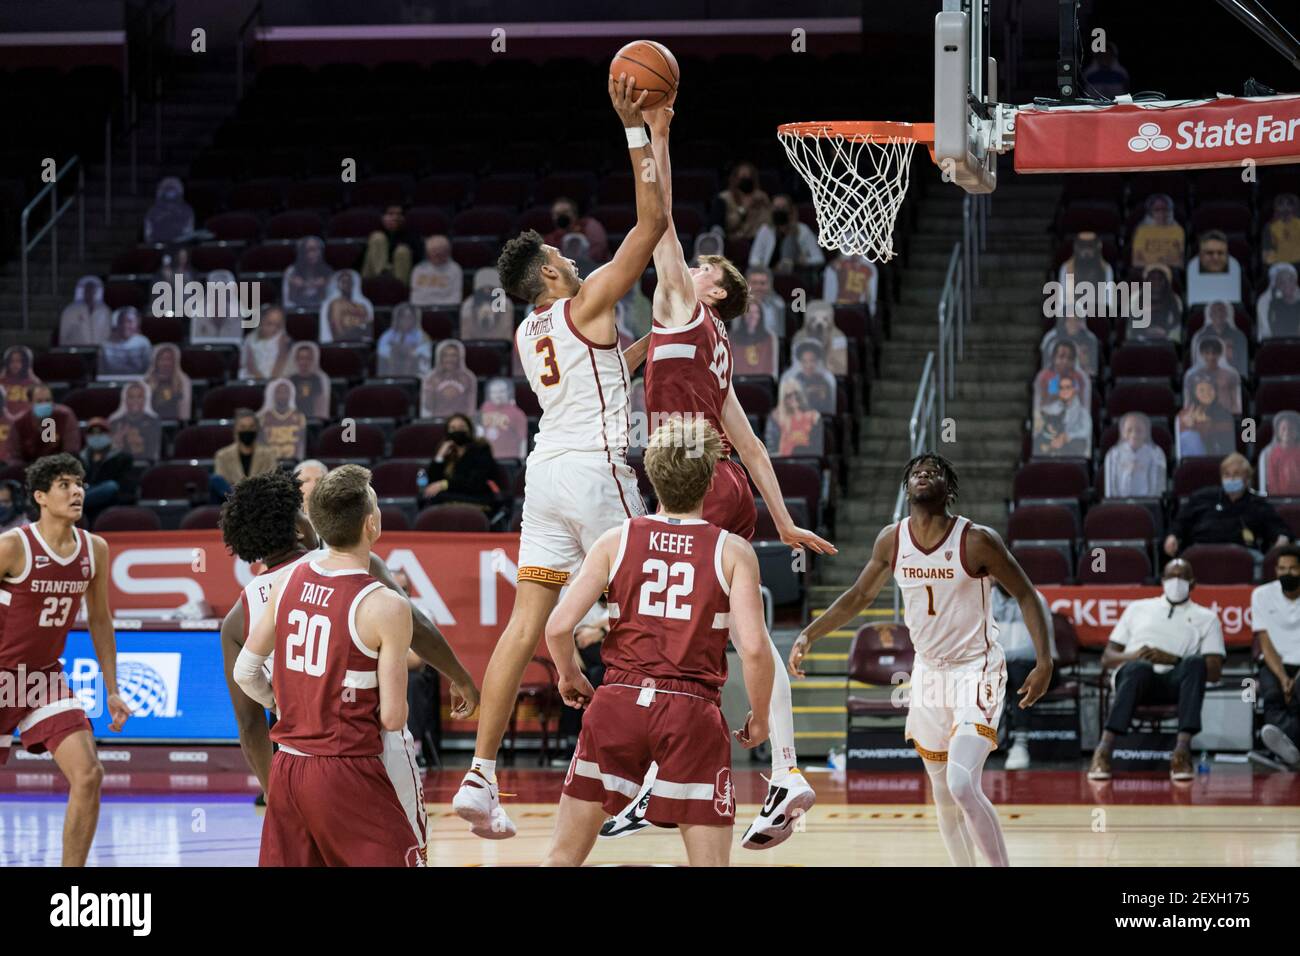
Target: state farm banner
1131,137
1095,610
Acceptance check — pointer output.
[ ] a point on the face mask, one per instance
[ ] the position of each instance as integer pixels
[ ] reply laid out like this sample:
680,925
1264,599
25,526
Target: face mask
247,438
745,184
43,409
780,218
1234,486
459,438
7,512
1290,582
99,442
564,220
1176,590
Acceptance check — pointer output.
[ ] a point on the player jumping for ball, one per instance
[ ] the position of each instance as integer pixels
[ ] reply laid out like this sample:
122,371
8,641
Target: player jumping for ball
46,570
688,372
578,483
943,563
679,586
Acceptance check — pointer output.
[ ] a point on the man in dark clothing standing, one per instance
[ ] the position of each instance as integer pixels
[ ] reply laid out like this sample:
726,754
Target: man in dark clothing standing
1228,514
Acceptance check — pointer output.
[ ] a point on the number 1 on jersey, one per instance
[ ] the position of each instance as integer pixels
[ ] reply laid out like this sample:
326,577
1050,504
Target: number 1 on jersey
930,592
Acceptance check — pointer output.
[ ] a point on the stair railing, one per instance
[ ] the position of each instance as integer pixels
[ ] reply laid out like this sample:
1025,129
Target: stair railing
922,433
51,227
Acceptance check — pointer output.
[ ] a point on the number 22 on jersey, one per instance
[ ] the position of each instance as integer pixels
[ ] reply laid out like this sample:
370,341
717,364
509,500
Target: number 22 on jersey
671,606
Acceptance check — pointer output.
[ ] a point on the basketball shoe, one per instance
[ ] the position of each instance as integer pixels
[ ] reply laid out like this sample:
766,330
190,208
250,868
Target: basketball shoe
631,819
478,802
786,802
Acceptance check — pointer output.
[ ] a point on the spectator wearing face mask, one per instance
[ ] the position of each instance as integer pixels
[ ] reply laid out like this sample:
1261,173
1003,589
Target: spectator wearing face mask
783,243
461,469
108,469
743,206
243,457
390,250
568,221
11,510
46,428
1228,514
1275,613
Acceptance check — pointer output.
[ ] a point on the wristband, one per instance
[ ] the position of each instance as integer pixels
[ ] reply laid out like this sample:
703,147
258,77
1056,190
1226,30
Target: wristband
636,136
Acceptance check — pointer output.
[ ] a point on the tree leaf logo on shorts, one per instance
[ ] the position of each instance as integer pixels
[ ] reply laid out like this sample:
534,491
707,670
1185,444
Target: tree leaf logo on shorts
722,802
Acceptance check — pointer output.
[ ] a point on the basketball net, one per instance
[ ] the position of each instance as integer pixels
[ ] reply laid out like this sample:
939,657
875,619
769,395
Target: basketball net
858,181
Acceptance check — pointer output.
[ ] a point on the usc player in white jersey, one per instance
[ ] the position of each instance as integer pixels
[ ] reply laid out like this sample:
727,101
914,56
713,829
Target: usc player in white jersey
943,564
577,484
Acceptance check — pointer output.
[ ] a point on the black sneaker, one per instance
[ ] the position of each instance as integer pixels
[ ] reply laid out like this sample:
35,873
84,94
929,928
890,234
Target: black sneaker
630,820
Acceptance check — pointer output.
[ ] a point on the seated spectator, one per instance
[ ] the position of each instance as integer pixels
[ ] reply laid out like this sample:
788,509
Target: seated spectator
18,380
12,514
283,428
1105,75
405,348
346,315
135,428
487,313
126,353
170,218
450,387
1135,465
754,349
504,424
1219,325
794,427
265,352
45,428
243,457
1281,235
1205,426
768,299
308,473
390,250
461,469
1063,425
1278,308
437,280
1279,462
819,326
1018,646
1065,364
569,220
86,319
1086,264
1228,514
169,388
1158,239
743,206
221,323
108,469
851,280
1162,650
1210,367
1275,614
783,243
1164,319
307,280
1213,273
311,386
1073,328
810,371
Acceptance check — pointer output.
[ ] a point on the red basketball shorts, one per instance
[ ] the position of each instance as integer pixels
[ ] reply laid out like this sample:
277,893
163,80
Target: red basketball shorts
335,811
684,734
729,503
40,707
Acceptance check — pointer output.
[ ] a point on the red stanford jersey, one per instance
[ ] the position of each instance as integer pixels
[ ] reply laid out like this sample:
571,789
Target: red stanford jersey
326,681
39,605
668,603
688,369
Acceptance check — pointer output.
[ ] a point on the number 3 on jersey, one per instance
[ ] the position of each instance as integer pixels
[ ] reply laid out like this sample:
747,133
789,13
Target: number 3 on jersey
546,348
663,574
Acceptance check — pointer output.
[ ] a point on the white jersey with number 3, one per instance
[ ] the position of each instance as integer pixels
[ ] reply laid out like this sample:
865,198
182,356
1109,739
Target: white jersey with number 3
946,605
582,387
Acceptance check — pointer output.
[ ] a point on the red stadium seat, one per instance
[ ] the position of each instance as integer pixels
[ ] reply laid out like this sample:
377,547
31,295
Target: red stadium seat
205,259
393,518
138,261
475,253
801,478
878,654
576,186
488,358
202,441
446,190
464,518
294,224
1277,357
208,363
233,226
1041,523
1277,395
504,189
127,518
366,444
118,295
223,402
1193,474
1050,481
382,191
256,196
1157,400
67,367
173,480
93,401
204,518
1043,565
396,478
385,290
1220,563
271,258
345,361
323,194
1123,565
354,223
1290,513
1144,361
428,221
1114,521
377,401
490,222
163,328
418,440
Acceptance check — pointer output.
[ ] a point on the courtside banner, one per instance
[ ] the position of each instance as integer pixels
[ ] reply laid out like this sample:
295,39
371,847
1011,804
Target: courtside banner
1095,610
1232,131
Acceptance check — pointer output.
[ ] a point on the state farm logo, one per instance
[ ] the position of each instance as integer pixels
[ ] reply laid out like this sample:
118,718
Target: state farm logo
1149,137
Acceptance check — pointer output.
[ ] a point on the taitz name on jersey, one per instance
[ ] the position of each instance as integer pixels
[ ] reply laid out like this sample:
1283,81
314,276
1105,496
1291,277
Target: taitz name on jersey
317,594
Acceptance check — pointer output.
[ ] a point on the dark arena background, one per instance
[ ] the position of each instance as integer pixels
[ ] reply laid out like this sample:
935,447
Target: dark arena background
244,237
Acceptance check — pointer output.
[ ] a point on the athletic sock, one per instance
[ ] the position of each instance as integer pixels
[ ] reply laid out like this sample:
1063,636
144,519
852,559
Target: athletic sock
780,720
487,768
952,822
966,756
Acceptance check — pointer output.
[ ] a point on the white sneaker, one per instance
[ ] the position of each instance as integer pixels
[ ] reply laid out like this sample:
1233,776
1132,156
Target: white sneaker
786,802
1278,742
1018,758
631,819
478,803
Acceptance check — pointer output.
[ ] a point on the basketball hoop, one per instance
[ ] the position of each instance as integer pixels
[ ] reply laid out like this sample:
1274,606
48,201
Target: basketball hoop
858,173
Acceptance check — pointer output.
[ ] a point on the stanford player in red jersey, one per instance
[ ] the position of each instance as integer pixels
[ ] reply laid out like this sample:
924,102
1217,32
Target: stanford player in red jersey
340,639
678,587
46,570
688,372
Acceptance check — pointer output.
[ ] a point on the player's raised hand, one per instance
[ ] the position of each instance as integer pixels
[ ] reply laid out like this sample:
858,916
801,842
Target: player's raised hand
797,653
753,733
796,537
627,101
1036,684
576,691
464,701
120,712
659,120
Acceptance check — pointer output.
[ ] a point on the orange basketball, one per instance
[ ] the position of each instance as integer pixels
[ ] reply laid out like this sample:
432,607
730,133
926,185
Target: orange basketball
653,67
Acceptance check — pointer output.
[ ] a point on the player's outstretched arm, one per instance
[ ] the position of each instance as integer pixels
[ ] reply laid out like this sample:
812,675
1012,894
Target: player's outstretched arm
634,355
250,716
99,620
387,616
611,281
846,607
988,554
428,642
753,454
674,298
583,591
749,635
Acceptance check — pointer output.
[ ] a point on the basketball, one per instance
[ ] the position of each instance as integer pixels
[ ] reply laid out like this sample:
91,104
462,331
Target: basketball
652,66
